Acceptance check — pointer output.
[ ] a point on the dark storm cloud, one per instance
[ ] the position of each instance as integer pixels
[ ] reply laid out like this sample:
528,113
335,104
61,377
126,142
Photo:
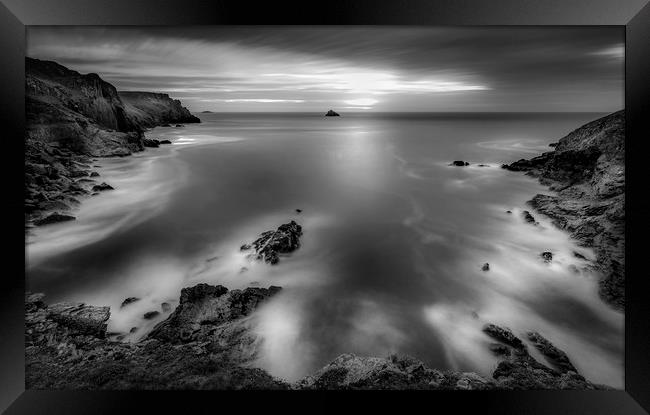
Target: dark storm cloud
380,68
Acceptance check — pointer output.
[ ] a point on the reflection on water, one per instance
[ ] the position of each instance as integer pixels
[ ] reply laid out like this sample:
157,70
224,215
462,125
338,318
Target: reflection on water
394,238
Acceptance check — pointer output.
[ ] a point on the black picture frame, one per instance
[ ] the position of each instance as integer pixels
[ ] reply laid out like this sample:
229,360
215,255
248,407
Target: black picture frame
633,14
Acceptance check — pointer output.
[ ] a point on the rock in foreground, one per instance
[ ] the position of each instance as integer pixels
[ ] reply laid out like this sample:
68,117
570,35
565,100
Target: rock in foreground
208,342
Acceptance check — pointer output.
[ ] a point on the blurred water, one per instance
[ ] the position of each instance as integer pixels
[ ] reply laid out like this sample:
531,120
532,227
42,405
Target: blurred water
394,238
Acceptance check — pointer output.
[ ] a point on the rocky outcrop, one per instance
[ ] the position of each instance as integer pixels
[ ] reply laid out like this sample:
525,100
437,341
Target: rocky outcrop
208,343
67,348
204,308
459,163
586,171
70,118
150,109
271,244
331,113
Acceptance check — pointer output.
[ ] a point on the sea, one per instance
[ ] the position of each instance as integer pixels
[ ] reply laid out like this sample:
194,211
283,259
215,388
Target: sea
393,246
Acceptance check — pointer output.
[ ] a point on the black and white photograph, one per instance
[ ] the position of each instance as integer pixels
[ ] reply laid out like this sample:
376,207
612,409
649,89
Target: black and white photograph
324,207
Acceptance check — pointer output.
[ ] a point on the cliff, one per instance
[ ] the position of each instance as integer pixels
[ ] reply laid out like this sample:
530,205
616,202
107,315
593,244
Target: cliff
70,118
149,109
586,172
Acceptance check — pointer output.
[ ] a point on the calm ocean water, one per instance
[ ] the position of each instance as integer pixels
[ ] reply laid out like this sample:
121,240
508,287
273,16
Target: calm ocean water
394,238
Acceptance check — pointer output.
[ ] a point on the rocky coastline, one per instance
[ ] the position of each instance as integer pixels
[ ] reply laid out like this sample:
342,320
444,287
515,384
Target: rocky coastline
209,342
586,173
72,120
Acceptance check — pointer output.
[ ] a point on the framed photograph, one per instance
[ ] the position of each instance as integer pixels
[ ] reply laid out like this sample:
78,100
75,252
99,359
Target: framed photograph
433,201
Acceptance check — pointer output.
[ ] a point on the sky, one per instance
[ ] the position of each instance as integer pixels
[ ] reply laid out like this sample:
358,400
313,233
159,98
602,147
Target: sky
352,68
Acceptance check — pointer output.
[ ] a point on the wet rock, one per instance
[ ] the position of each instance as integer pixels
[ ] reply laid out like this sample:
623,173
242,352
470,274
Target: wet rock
499,349
102,187
166,307
242,270
53,218
459,163
485,267
149,142
508,211
298,210
151,314
579,255
504,335
553,145
331,113
179,125
546,256
528,217
133,330
271,244
555,356
164,142
165,125
128,301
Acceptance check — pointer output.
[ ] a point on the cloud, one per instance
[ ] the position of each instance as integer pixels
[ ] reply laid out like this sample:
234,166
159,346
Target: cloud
309,68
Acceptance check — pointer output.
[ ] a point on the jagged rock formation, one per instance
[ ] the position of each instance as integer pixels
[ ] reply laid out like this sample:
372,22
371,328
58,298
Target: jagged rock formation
395,372
271,244
587,170
208,343
70,118
331,113
150,109
67,347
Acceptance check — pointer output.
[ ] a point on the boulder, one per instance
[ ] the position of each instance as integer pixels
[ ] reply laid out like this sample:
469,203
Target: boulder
94,174
331,113
128,301
102,187
164,142
166,307
459,163
528,217
151,314
150,142
546,256
271,244
485,267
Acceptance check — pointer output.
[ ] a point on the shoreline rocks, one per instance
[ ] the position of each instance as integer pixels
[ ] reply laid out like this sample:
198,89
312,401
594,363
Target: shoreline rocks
586,170
208,342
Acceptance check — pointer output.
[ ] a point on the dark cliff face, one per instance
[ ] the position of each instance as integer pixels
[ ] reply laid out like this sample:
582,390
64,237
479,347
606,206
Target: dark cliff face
149,109
82,113
71,117
587,170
